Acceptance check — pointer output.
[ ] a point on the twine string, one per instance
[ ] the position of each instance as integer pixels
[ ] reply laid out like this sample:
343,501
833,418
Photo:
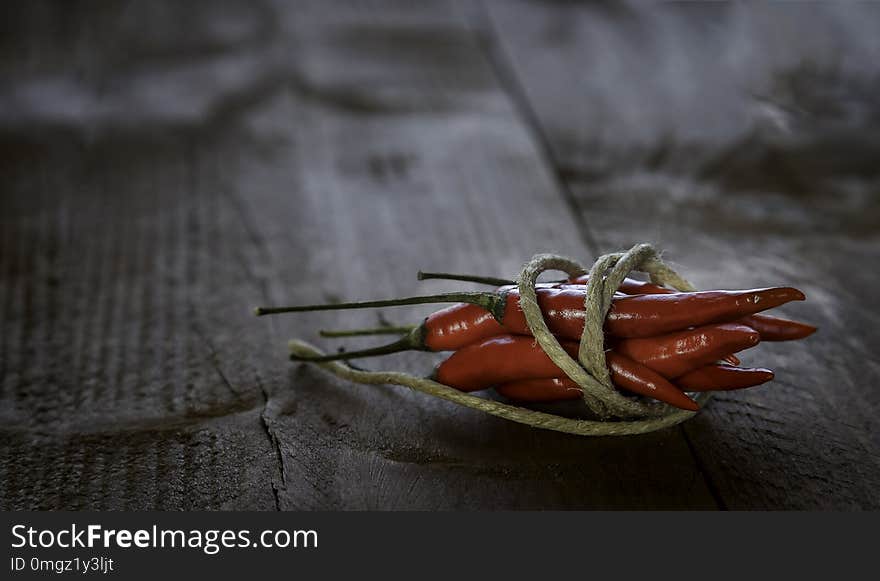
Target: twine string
634,416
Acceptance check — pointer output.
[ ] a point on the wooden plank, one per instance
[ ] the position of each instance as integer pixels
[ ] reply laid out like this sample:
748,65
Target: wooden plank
322,153
730,137
439,174
115,393
126,382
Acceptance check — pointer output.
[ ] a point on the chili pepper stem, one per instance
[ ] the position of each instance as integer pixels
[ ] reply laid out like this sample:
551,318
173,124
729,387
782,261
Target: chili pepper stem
335,334
492,302
413,340
488,280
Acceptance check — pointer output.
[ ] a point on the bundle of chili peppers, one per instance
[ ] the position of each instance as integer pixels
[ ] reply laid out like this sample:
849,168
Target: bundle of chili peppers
659,343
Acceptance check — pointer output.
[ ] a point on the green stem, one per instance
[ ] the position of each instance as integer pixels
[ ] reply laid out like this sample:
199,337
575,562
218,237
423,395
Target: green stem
412,341
489,280
492,302
334,334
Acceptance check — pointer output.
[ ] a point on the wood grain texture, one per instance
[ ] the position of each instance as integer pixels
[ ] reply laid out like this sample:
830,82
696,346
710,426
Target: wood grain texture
743,142
316,154
165,167
439,173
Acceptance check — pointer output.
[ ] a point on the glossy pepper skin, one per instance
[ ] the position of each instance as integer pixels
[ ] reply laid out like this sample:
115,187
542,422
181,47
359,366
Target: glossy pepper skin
723,377
540,390
513,360
498,360
632,376
771,328
651,315
626,375
778,329
675,354
630,316
459,325
709,378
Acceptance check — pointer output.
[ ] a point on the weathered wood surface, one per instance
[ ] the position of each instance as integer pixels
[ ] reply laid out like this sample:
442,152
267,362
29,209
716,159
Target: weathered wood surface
165,167
745,145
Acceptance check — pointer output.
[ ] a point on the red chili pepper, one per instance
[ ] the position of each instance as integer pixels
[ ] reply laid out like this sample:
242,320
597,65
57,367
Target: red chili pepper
626,374
654,335
459,325
630,316
541,390
514,359
723,377
632,376
489,314
771,328
677,353
709,378
498,360
778,329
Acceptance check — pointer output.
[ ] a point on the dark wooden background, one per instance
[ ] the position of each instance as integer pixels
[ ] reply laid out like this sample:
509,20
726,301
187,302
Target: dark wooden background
165,166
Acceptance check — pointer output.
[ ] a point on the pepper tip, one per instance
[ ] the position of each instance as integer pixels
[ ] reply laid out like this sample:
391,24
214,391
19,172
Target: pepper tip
692,406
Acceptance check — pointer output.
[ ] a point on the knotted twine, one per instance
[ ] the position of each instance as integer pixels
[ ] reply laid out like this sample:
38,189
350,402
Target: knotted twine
619,415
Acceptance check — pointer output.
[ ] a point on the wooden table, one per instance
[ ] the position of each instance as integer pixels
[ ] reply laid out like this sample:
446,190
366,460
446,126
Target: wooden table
167,166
